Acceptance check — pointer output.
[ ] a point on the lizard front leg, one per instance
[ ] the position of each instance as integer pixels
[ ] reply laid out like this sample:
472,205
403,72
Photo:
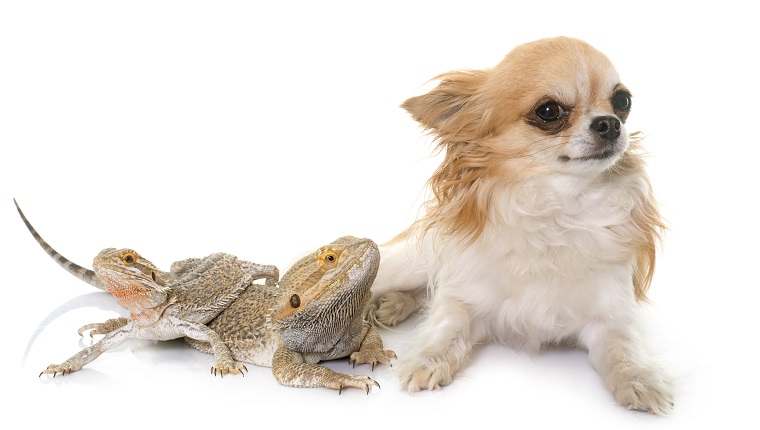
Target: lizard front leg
225,363
80,359
289,368
104,327
371,349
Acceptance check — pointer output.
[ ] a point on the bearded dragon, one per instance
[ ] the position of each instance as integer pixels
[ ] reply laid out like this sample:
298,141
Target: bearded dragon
162,305
314,314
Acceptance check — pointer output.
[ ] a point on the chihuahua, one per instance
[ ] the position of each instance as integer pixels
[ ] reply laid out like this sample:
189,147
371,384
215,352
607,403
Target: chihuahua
541,227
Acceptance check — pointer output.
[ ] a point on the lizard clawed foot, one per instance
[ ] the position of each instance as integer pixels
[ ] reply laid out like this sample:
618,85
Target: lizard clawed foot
55,369
372,357
363,382
222,368
103,328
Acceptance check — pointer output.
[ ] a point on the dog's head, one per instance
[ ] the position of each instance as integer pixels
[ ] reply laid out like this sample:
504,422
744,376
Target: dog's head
553,105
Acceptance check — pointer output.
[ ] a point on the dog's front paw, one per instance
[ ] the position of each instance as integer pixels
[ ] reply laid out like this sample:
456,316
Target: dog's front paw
425,374
394,307
645,391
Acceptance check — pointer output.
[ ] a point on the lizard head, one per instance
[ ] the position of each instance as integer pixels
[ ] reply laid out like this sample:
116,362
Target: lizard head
324,294
134,281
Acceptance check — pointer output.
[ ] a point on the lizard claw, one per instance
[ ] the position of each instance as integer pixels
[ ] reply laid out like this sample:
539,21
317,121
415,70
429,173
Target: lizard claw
358,381
372,357
222,368
55,369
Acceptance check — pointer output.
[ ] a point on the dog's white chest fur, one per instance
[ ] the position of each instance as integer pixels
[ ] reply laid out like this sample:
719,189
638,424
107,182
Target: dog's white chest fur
552,258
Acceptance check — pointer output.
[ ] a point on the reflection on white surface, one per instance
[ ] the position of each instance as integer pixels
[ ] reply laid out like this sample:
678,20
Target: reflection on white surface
100,300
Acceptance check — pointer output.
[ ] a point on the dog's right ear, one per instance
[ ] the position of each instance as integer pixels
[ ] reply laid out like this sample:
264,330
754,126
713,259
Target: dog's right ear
455,109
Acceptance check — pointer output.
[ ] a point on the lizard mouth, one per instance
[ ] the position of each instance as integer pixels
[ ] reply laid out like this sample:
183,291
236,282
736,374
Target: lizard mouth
113,275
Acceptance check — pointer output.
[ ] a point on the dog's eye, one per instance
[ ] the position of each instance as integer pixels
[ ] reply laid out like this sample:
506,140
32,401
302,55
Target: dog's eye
621,101
549,111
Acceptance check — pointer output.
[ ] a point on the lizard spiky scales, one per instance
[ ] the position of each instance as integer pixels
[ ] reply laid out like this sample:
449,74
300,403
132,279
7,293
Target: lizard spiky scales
314,315
162,305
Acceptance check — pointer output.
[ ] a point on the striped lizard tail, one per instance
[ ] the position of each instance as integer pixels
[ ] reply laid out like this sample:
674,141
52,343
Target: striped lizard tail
80,272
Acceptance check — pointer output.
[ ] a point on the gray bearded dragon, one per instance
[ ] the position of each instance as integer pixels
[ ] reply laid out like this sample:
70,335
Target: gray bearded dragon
212,302
314,315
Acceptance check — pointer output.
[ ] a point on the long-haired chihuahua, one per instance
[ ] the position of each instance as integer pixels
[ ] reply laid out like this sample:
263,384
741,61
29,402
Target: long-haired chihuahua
541,228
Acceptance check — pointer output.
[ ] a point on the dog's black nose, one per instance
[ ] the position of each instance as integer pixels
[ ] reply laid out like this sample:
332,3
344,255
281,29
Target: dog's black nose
607,127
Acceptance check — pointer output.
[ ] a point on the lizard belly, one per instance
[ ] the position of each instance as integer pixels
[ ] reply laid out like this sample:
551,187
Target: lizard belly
158,331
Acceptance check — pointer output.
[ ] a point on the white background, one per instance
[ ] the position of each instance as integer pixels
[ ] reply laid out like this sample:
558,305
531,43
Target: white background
265,130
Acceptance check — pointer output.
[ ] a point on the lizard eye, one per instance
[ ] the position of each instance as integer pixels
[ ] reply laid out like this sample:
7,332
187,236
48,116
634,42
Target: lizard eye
330,257
129,259
295,301
153,276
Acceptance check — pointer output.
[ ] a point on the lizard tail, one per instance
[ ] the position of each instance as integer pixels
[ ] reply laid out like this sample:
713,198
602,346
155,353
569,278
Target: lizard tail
80,272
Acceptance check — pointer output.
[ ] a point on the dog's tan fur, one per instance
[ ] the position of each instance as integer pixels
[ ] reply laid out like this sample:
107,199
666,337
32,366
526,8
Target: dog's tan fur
537,231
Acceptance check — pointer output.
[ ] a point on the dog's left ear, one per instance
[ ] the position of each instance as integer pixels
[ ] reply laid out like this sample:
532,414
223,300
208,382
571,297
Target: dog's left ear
455,109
